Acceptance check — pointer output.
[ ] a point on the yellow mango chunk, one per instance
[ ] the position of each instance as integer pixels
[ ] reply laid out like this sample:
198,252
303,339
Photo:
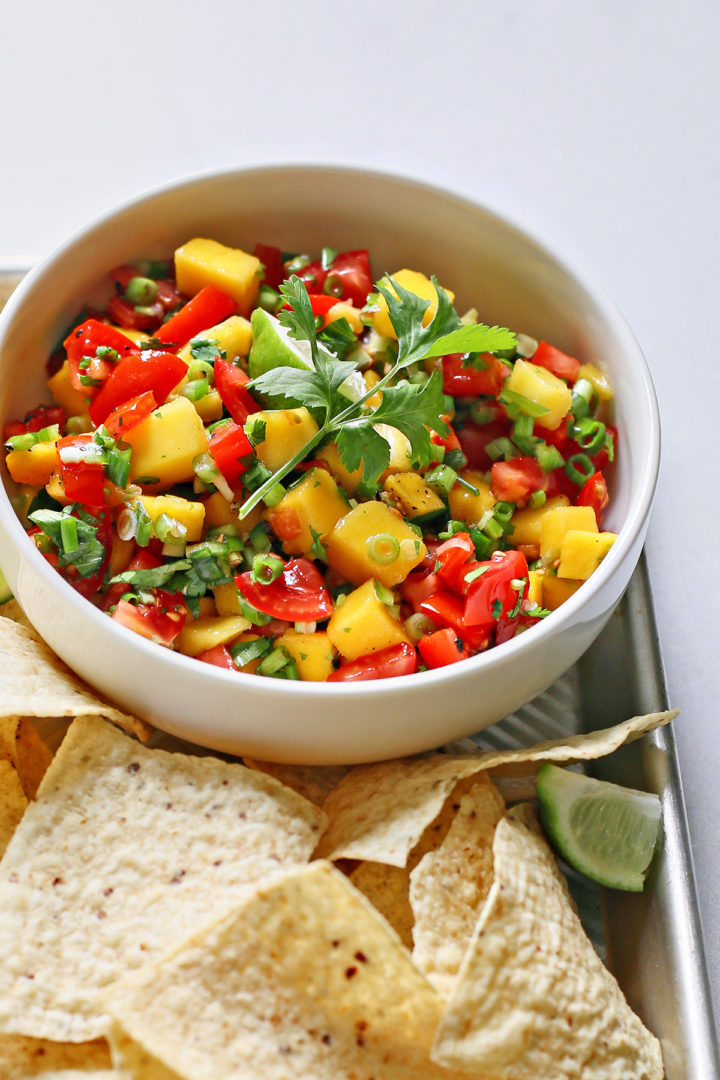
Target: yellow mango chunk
412,496
189,514
204,633
535,593
400,449
232,336
353,541
543,388
313,654
344,309
286,432
598,380
555,590
363,624
582,552
202,262
349,481
56,490
165,443
227,599
308,512
414,282
34,466
526,522
465,505
73,401
555,523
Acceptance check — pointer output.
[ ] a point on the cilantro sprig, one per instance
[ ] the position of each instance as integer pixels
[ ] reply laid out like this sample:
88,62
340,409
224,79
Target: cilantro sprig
413,409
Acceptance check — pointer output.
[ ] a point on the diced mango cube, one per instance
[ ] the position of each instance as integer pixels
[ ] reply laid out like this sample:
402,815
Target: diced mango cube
414,282
526,522
166,442
412,496
34,466
555,590
598,380
582,552
313,654
534,593
308,512
542,388
286,432
353,542
400,449
555,523
349,481
466,505
227,599
208,631
232,336
202,262
190,514
73,401
363,624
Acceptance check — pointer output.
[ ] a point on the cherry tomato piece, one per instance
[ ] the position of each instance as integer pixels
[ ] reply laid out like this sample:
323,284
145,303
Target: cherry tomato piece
125,417
442,648
559,363
230,449
298,594
385,664
154,371
594,493
208,307
515,480
230,383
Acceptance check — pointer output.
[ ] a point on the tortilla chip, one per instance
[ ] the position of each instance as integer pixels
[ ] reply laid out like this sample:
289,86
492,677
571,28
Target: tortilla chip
388,890
132,1061
313,782
22,745
27,1059
34,682
379,812
305,979
449,886
126,850
12,610
533,1000
12,804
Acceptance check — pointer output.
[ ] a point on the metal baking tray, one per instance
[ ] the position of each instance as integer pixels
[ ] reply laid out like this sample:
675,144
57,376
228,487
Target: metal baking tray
652,941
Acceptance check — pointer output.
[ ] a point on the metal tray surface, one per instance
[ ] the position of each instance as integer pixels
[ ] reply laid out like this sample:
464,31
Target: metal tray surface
651,941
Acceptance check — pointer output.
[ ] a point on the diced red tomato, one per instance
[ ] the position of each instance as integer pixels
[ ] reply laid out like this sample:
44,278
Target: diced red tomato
509,628
385,664
210,306
417,586
125,417
491,596
559,363
453,556
43,416
121,276
298,594
442,648
154,371
320,304
122,312
230,449
475,437
230,383
352,268
83,343
447,609
449,441
271,258
286,523
82,481
220,656
515,480
594,493
160,621
461,379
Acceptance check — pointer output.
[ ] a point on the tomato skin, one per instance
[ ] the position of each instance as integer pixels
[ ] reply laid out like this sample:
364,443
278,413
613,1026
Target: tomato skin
160,621
42,416
555,361
230,448
516,479
442,648
154,371
353,270
220,656
475,437
230,383
507,629
594,493
453,555
82,481
298,594
271,258
417,586
286,523
449,441
84,341
460,380
385,664
127,416
495,586
208,307
122,312
447,609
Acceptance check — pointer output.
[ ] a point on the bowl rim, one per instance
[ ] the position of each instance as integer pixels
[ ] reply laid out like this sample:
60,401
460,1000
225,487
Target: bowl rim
499,655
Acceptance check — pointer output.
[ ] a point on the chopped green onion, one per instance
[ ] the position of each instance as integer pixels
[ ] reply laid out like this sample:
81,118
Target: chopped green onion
548,457
453,527
519,584
266,569
501,448
590,434
515,404
468,486
199,368
327,257
437,452
196,389
473,575
441,480
141,291
274,662
417,626
268,299
579,468
582,394
143,534
503,511
169,529
275,495
383,548
259,540
455,459
537,499
117,466
256,476
334,286
22,442
257,618
523,426
77,425
297,264
384,595
493,529
243,652
481,413
68,535
106,352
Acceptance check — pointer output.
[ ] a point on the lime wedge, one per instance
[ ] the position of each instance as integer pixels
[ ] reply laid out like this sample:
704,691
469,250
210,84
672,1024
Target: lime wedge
602,830
273,347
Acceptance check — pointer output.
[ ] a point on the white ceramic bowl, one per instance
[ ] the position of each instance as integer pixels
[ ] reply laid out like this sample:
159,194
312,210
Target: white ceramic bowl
491,264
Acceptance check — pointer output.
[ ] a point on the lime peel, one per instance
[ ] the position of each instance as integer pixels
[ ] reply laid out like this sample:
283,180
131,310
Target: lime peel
602,830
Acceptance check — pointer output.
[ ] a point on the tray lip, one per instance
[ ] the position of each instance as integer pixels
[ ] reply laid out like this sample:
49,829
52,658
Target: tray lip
704,1039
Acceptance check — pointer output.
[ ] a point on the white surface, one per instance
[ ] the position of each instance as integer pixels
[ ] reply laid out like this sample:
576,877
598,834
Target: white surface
596,125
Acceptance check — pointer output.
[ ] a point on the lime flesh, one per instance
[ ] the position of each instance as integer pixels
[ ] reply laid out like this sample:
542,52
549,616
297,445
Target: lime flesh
604,831
273,347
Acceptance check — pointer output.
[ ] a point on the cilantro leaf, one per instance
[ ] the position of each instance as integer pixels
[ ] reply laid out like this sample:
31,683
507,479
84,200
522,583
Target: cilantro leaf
470,339
406,311
315,389
414,410
88,553
299,320
338,337
360,444
154,578
206,349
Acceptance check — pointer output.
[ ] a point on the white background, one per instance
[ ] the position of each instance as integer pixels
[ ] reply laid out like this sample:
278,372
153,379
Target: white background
596,125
